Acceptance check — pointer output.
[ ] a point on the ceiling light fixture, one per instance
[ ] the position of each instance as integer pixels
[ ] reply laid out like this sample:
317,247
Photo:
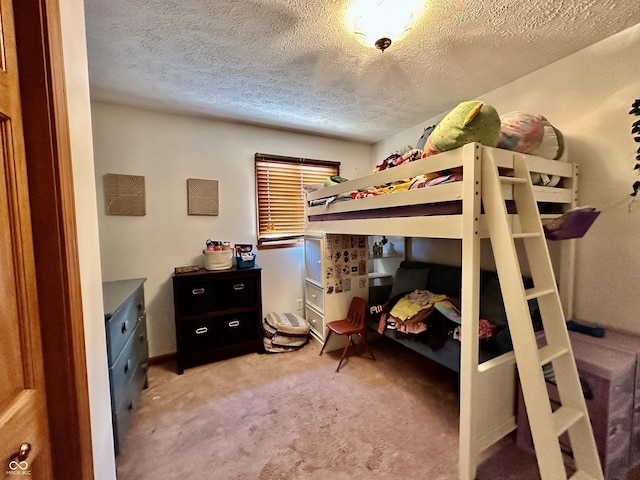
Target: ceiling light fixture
378,23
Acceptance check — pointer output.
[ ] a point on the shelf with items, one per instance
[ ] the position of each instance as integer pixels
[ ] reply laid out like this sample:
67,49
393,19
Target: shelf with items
384,257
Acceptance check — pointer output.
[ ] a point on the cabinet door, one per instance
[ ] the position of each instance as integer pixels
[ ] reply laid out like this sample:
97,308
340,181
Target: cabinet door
313,260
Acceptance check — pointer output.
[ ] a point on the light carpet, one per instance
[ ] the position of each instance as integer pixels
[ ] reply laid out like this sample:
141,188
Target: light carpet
291,416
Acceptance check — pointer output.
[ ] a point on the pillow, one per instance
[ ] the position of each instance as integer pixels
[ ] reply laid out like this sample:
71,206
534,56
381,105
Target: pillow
492,305
472,121
408,280
532,133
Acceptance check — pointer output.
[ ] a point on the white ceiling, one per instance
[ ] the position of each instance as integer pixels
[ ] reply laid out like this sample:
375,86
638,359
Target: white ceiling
292,64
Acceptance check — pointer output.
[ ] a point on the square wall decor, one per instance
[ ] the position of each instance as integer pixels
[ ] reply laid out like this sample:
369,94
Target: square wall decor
125,194
202,196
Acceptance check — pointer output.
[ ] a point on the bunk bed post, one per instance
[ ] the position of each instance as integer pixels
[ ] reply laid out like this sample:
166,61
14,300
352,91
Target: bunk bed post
470,299
566,277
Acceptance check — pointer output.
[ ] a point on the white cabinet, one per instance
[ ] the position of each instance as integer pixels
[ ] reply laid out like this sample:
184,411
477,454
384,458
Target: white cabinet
335,271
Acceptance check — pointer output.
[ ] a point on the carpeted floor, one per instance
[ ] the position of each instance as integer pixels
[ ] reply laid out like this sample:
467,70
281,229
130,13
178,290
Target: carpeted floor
290,416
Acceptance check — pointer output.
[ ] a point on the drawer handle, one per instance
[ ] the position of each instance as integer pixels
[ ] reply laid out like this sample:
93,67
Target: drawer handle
127,366
234,323
197,291
123,328
201,330
238,286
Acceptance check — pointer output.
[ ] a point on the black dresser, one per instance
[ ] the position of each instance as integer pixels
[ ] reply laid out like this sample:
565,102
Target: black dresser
127,350
218,314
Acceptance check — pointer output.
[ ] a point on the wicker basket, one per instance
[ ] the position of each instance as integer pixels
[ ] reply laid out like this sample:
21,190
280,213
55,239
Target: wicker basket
217,259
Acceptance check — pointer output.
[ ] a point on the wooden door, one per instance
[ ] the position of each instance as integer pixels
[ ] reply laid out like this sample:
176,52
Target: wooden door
23,415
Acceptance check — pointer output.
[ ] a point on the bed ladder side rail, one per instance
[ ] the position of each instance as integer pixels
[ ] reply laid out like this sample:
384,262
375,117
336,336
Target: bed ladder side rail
546,424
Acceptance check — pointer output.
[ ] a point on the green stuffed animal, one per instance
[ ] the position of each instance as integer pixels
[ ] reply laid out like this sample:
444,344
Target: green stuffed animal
472,121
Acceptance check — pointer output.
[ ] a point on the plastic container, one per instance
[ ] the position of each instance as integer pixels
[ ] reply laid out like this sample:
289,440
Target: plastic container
217,259
240,263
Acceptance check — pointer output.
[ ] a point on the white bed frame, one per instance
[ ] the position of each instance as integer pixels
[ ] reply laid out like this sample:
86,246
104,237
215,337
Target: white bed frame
488,390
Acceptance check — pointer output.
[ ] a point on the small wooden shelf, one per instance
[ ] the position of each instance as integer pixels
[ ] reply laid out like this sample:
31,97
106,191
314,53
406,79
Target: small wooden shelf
385,255
379,275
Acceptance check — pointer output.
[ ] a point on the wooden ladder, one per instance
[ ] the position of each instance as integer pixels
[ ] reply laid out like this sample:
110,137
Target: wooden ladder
547,423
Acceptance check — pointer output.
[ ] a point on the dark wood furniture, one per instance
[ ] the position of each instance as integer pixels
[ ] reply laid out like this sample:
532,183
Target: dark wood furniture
218,314
127,350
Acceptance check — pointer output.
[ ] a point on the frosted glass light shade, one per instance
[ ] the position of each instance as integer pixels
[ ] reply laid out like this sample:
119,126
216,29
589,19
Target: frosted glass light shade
372,20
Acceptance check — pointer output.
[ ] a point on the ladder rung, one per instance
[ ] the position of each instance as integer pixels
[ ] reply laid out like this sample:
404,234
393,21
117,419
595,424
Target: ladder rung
527,235
512,180
550,352
536,292
580,475
564,418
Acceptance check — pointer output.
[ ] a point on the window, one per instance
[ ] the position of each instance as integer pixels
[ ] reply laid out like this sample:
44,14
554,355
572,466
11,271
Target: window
280,195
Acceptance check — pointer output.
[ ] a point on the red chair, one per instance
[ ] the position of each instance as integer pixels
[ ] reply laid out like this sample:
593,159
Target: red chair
354,324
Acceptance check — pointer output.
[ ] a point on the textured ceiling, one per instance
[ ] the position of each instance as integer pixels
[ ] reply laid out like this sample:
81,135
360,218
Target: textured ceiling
292,64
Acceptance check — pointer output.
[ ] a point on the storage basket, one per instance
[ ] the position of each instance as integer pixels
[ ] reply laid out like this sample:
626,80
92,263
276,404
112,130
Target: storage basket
217,259
240,263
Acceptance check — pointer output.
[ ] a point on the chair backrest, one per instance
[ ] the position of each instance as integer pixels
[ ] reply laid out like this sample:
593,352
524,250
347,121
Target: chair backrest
357,312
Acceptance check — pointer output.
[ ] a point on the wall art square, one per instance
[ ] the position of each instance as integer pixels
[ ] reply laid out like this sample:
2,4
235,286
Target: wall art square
125,194
202,196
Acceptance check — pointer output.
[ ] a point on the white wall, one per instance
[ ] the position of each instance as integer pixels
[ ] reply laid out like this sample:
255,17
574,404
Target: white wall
588,96
167,149
77,90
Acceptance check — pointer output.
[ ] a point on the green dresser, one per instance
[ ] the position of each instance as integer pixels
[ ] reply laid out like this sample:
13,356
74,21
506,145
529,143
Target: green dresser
127,350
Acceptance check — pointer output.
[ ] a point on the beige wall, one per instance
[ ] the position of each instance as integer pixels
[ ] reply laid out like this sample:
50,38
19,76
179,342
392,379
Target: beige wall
588,96
167,149
77,89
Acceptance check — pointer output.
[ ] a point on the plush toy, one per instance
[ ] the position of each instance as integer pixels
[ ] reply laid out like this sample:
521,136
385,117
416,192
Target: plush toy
334,180
532,133
472,121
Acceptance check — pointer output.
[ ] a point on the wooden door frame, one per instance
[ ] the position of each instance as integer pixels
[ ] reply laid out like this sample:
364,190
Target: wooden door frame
50,176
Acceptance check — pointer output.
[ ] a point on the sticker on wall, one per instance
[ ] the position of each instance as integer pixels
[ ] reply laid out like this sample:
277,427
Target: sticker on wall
346,284
202,196
362,267
125,194
345,270
329,273
363,282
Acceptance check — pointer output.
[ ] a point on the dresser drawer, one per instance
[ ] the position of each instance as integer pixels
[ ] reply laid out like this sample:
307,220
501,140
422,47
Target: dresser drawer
234,329
134,352
316,321
123,413
123,322
197,298
239,292
313,296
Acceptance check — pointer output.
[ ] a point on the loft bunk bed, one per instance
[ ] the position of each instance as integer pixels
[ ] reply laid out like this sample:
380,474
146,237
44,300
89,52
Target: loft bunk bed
457,210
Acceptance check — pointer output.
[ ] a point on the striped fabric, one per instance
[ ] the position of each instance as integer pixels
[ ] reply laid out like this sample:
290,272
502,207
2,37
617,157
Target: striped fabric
284,332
